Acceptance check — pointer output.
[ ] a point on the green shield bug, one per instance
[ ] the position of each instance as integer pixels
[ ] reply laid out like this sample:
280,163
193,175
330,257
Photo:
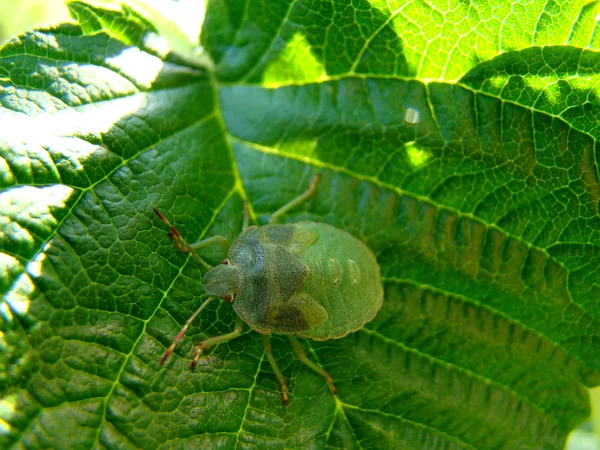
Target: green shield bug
304,279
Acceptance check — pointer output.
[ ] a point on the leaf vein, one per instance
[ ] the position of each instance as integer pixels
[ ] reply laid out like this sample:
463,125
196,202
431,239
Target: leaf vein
120,372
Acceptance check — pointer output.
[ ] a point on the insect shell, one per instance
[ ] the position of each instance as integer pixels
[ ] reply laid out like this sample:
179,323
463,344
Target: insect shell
307,279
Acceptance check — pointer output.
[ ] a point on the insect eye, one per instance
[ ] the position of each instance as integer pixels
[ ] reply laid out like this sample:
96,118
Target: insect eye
225,261
228,298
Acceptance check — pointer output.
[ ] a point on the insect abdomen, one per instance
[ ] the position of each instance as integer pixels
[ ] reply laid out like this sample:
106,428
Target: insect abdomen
344,278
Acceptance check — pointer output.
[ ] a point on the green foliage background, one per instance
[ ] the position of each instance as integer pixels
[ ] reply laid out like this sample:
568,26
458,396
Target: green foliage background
16,16
458,140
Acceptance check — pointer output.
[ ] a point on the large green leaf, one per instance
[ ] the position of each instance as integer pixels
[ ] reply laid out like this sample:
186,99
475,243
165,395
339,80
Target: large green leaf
458,140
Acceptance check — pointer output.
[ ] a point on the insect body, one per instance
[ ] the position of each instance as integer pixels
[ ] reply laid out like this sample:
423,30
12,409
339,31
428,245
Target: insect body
306,279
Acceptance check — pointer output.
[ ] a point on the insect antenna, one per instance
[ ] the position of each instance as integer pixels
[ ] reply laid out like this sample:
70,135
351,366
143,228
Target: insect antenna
178,240
183,330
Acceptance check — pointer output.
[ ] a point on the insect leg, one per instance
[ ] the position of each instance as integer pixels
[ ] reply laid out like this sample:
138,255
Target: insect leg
295,202
211,240
246,216
278,374
302,356
183,330
239,326
178,240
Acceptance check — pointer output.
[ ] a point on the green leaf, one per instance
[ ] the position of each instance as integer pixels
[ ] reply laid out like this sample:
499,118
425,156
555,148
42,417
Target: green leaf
457,140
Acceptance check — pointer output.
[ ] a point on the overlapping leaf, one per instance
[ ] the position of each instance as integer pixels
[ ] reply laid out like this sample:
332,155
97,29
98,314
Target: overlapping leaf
478,193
